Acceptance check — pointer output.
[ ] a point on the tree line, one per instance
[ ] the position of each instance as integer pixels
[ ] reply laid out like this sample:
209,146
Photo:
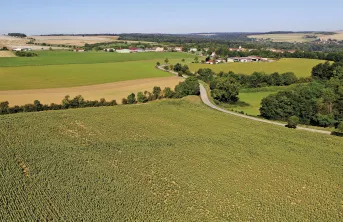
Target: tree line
318,103
189,87
17,34
25,54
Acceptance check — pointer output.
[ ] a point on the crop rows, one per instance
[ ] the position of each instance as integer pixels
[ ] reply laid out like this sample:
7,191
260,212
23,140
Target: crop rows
168,160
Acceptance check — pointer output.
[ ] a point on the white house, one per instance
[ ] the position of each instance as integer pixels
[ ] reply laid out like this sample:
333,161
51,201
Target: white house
17,49
230,60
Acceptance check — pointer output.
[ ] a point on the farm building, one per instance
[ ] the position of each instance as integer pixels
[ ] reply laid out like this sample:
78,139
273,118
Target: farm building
248,59
193,49
178,49
78,50
123,51
230,60
159,49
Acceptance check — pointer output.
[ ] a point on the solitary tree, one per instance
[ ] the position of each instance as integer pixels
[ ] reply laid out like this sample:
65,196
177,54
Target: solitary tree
158,63
292,122
196,59
131,99
166,60
183,60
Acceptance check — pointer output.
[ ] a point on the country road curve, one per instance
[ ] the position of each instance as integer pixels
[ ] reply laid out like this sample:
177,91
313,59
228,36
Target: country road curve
206,101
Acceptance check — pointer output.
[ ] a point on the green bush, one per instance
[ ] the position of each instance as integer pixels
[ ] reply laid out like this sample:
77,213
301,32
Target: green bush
292,122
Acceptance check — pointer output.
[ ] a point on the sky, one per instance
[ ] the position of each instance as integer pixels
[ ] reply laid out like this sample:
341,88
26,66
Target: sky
177,16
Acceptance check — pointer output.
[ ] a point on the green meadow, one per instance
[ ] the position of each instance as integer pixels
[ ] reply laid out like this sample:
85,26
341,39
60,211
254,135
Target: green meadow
172,160
68,57
300,67
79,69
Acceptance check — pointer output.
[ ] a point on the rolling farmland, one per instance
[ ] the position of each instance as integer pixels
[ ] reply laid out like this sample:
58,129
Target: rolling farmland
68,57
300,67
297,37
109,163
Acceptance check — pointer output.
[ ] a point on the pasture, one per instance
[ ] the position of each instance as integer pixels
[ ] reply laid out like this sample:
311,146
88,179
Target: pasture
161,162
300,67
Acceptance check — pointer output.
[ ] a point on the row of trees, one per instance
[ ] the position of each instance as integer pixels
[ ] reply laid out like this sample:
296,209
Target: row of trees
189,87
67,103
25,54
319,103
255,80
16,34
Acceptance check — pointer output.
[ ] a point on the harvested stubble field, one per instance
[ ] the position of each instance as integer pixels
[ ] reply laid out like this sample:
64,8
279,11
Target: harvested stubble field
161,162
6,54
74,40
300,67
109,91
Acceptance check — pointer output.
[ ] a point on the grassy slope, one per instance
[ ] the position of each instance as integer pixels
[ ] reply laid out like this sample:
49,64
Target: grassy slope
160,161
301,67
67,57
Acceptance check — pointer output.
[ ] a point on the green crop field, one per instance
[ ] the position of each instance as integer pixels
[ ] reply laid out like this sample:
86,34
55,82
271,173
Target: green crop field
90,68
173,160
67,57
55,76
301,67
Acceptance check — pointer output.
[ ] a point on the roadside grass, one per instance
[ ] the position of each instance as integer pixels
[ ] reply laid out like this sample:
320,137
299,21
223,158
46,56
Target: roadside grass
68,57
300,67
168,160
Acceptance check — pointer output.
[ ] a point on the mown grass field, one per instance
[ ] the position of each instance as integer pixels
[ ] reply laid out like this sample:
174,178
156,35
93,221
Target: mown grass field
254,97
300,67
161,162
79,69
68,57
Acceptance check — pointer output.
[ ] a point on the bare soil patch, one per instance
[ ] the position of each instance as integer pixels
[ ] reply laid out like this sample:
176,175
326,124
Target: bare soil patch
109,91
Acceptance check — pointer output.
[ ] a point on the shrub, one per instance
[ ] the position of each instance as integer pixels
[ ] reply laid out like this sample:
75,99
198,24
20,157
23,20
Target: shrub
124,101
131,99
292,122
141,97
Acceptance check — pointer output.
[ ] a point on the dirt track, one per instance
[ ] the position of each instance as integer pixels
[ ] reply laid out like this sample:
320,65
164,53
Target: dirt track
109,91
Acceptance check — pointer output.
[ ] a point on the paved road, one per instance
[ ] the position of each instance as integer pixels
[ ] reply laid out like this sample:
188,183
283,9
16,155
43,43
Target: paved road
206,101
